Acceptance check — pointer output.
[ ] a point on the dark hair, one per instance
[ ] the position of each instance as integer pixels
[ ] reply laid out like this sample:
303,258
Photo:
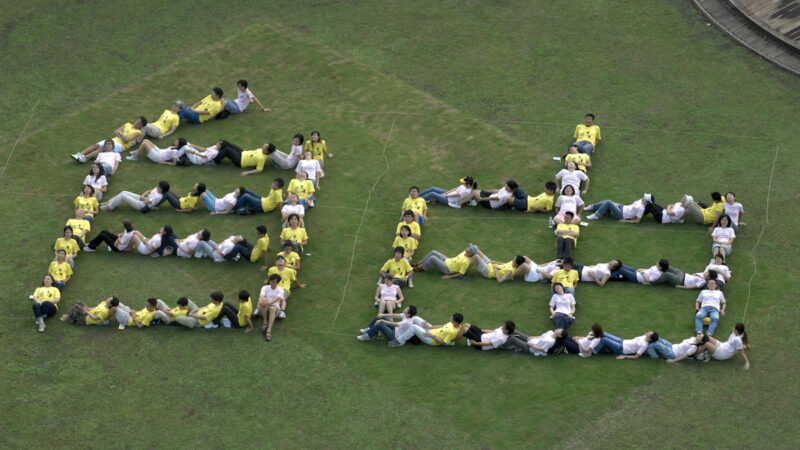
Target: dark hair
724,216
512,184
618,262
589,115
53,279
730,192
278,181
205,235
300,137
571,146
569,214
270,147
317,133
183,301
564,189
555,285
712,279
61,250
166,233
567,260
510,326
288,244
152,301
182,142
388,277
279,257
218,91
401,250
164,186
114,301
412,188
68,227
597,330
128,225
550,186
143,120
261,229
740,328
295,216
716,196
223,143
654,337
458,318
100,172
663,264
712,275
242,83
408,212
719,255
407,228
244,295
275,277
241,191
91,189
201,187
412,310
519,260
216,296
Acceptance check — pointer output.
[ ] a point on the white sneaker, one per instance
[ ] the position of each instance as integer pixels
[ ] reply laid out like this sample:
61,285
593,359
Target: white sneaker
211,325
411,283
89,249
364,330
226,323
81,158
473,202
282,314
30,296
399,306
105,207
109,249
256,312
363,337
41,326
456,206
376,303
238,257
592,217
131,158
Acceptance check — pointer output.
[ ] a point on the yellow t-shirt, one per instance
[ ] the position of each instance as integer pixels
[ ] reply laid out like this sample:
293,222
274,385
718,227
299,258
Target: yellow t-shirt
567,279
60,272
210,312
87,204
177,312
272,199
458,264
408,244
297,235
317,149
70,247
570,227
415,204
189,202
589,134
79,225
167,120
578,158
398,269
255,158
543,200
291,258
502,269
710,213
287,276
47,294
446,333
303,189
213,107
414,228
101,311
128,130
143,316
261,247
245,311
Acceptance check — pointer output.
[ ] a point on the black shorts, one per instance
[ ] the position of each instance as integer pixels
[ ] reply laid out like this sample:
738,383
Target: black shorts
473,333
521,204
484,194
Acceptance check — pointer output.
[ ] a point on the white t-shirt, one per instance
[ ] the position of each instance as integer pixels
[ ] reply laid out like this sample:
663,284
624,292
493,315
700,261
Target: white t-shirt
589,341
190,242
389,292
721,270
273,295
309,166
724,234
633,211
243,99
154,196
694,280
686,347
502,197
562,303
677,214
406,323
125,240
733,211
726,350
652,273
599,271
223,203
573,178
543,341
569,203
109,158
495,338
293,209
155,241
714,299
637,345
457,195
294,155
97,184
208,155
226,246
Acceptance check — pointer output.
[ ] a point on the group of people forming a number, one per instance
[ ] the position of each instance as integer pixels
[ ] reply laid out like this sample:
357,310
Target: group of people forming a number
564,275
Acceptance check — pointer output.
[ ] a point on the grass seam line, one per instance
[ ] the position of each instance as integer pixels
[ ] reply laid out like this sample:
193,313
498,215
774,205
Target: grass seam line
8,160
363,216
763,228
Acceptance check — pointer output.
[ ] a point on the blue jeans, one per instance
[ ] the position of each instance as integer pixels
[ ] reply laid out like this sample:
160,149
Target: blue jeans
59,285
305,203
585,147
401,283
189,115
434,193
169,242
205,247
625,273
601,208
387,331
44,310
251,201
106,168
706,311
232,107
240,249
661,348
209,200
562,321
612,342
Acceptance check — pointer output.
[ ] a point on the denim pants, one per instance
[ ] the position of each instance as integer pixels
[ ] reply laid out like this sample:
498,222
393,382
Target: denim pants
44,310
625,273
209,199
251,201
585,147
706,311
239,249
387,331
562,321
434,193
232,107
204,249
661,348
169,242
613,343
58,285
189,115
601,208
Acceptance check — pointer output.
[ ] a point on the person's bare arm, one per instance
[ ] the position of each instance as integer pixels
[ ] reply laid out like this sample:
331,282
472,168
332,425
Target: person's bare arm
253,97
452,276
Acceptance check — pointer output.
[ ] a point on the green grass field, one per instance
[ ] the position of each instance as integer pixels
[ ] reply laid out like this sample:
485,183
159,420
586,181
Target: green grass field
405,93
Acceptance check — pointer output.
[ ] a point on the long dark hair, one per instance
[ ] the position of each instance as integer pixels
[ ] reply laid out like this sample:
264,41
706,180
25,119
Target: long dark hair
739,327
166,233
597,330
100,172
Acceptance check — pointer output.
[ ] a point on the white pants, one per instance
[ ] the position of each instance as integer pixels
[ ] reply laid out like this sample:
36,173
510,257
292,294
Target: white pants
131,198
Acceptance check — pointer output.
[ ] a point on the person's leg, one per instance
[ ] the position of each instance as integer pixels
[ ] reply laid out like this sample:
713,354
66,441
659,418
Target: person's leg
694,211
273,313
585,147
113,202
713,313
559,319
280,160
59,285
173,200
625,273
598,208
420,333
387,331
189,115
698,320
105,236
123,315
613,343
406,336
229,311
482,265
204,248
474,333
517,341
438,196
661,348
133,200
208,200
188,322
655,210
615,209
372,329
232,107
571,346
251,201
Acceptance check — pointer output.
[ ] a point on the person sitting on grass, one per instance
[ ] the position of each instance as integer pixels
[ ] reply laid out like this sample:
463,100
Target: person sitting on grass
571,176
710,303
80,314
489,340
168,156
541,203
499,271
394,330
262,246
122,242
399,269
587,135
562,307
292,206
583,160
243,99
499,198
205,109
87,202
140,319
416,205
304,190
734,211
69,244
291,257
675,352
287,275
311,167
295,234
143,203
705,216
256,203
406,241
453,198
271,304
45,301
408,220
632,213
237,317
60,270
722,351
455,267
97,179
445,334
566,236
388,296
318,148
568,202
203,317
166,124
167,315
282,160
188,203
125,136
626,348
723,236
